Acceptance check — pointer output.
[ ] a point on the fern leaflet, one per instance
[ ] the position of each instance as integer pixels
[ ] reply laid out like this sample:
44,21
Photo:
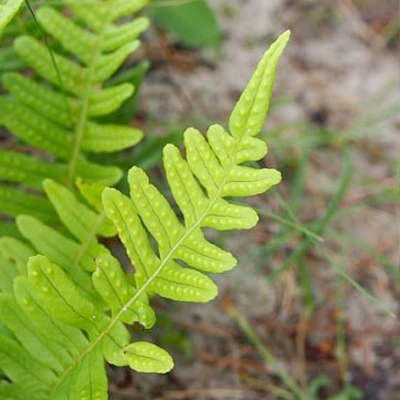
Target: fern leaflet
8,9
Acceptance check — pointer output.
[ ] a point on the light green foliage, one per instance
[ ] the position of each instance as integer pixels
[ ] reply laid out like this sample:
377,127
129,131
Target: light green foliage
77,217
18,167
75,255
250,111
65,315
8,9
111,282
57,110
8,272
16,251
13,202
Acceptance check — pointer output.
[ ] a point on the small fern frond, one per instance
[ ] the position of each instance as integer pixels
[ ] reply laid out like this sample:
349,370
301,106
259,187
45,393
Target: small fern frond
199,185
56,111
83,307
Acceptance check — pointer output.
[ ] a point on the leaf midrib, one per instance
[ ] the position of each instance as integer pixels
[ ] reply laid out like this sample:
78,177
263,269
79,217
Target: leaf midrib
83,115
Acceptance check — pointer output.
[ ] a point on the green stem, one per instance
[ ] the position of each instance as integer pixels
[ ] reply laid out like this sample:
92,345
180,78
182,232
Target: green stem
320,225
267,356
341,329
292,224
357,286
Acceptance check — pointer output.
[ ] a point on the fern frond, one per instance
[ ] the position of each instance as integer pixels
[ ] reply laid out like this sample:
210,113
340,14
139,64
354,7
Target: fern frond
199,186
91,301
56,110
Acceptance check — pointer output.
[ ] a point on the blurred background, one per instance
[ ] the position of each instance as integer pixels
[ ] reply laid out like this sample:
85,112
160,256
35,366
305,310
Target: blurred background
311,312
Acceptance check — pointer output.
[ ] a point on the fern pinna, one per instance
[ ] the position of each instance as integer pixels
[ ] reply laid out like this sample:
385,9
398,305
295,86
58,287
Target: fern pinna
8,9
62,319
58,110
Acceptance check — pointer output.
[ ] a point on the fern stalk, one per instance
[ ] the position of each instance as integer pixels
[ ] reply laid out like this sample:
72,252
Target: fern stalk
88,87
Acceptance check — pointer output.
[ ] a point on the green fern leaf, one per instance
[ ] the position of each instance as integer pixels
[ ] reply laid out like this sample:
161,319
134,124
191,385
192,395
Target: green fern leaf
73,38
37,56
78,218
65,341
76,297
175,283
58,247
14,201
147,357
55,106
92,193
31,339
90,379
61,341
16,251
122,8
99,12
8,228
31,171
109,138
21,367
109,99
118,36
59,295
8,9
75,255
111,282
96,173
8,272
18,392
191,200
250,111
34,129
